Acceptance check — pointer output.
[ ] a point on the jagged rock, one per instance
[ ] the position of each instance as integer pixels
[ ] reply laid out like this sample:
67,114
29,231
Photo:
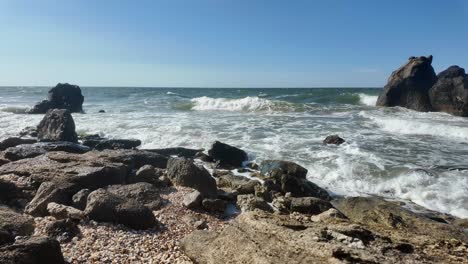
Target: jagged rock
195,222
37,149
47,193
329,215
79,199
35,250
103,206
214,205
409,85
277,168
9,191
179,152
193,200
57,125
141,192
184,172
249,202
333,139
227,155
29,131
309,205
450,93
15,223
60,211
101,144
63,230
134,159
147,173
203,157
15,141
6,238
240,184
62,96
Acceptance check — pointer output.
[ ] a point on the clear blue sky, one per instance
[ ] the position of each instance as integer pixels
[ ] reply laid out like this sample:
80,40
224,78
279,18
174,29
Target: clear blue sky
225,43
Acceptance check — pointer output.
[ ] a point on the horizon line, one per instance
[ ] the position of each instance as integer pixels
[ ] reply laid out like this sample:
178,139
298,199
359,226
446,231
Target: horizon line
198,87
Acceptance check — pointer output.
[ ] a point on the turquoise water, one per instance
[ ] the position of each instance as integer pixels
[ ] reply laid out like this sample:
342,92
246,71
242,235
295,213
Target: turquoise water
392,152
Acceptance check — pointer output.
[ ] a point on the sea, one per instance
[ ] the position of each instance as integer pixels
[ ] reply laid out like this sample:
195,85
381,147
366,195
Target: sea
394,153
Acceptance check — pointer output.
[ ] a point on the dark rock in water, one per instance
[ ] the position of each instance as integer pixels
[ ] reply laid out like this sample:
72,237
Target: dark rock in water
103,206
37,149
193,200
6,238
142,192
28,131
309,205
15,223
227,155
409,85
101,144
49,192
249,202
63,230
62,96
79,199
450,93
214,205
101,111
333,139
57,125
179,152
15,141
276,168
35,250
184,172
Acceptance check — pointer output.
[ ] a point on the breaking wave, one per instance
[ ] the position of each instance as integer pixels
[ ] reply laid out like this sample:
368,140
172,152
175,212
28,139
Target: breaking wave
248,104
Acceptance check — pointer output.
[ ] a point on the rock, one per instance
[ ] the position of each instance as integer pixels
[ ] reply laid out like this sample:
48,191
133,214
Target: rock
15,223
195,222
6,238
15,141
214,205
184,172
249,202
134,159
333,139
309,205
179,152
302,188
47,193
101,111
227,155
62,96
193,200
141,192
147,173
409,85
203,157
79,199
35,250
329,215
103,206
450,93
63,230
9,191
277,168
57,125
37,149
240,184
29,131
60,211
101,144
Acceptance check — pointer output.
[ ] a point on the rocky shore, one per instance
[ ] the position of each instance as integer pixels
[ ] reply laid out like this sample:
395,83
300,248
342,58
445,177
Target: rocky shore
87,199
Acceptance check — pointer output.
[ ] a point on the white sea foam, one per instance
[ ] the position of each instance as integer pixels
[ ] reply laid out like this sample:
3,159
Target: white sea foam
366,99
172,93
244,104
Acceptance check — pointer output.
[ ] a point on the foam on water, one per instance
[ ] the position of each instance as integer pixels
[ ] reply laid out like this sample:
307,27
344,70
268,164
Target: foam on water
366,99
244,104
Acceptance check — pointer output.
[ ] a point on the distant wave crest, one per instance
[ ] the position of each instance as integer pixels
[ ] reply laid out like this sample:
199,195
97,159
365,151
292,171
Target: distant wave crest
250,104
15,109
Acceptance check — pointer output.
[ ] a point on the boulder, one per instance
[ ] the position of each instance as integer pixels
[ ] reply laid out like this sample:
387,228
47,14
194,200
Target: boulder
184,172
60,211
147,173
63,230
34,250
409,85
302,188
193,200
101,144
240,184
47,193
309,205
179,152
450,93
62,96
79,199
134,158
57,125
249,202
37,149
277,168
227,155
333,139
103,206
9,191
141,192
329,215
15,141
214,205
15,223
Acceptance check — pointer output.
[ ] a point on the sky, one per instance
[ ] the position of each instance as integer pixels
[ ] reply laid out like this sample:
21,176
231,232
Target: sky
225,43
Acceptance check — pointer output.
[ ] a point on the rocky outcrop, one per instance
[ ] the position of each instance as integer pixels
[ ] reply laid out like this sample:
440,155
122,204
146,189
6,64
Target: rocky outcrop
47,193
240,184
62,96
309,205
37,149
103,143
249,202
277,168
409,85
184,172
226,155
333,139
450,93
142,192
57,125
15,141
34,250
15,223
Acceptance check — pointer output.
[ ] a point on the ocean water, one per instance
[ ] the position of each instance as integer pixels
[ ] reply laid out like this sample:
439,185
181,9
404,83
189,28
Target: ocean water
392,152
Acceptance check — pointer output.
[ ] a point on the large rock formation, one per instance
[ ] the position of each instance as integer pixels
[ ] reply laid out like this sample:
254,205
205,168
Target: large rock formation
62,96
409,85
227,155
57,125
450,93
35,250
184,172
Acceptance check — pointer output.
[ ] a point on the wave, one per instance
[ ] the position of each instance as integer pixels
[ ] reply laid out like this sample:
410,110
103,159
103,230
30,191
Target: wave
15,109
248,104
172,93
366,99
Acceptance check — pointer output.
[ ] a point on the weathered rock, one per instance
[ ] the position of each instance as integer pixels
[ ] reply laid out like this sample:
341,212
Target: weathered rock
79,199
9,191
240,184
184,172
101,111
329,215
193,200
277,168
63,230
333,139
29,131
179,152
15,141
134,159
15,223
302,188
249,202
101,144
203,157
141,192
147,173
57,125
60,211
103,206
309,205
214,205
35,250
409,85
227,155
195,222
6,238
450,93
37,149
62,96
47,193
